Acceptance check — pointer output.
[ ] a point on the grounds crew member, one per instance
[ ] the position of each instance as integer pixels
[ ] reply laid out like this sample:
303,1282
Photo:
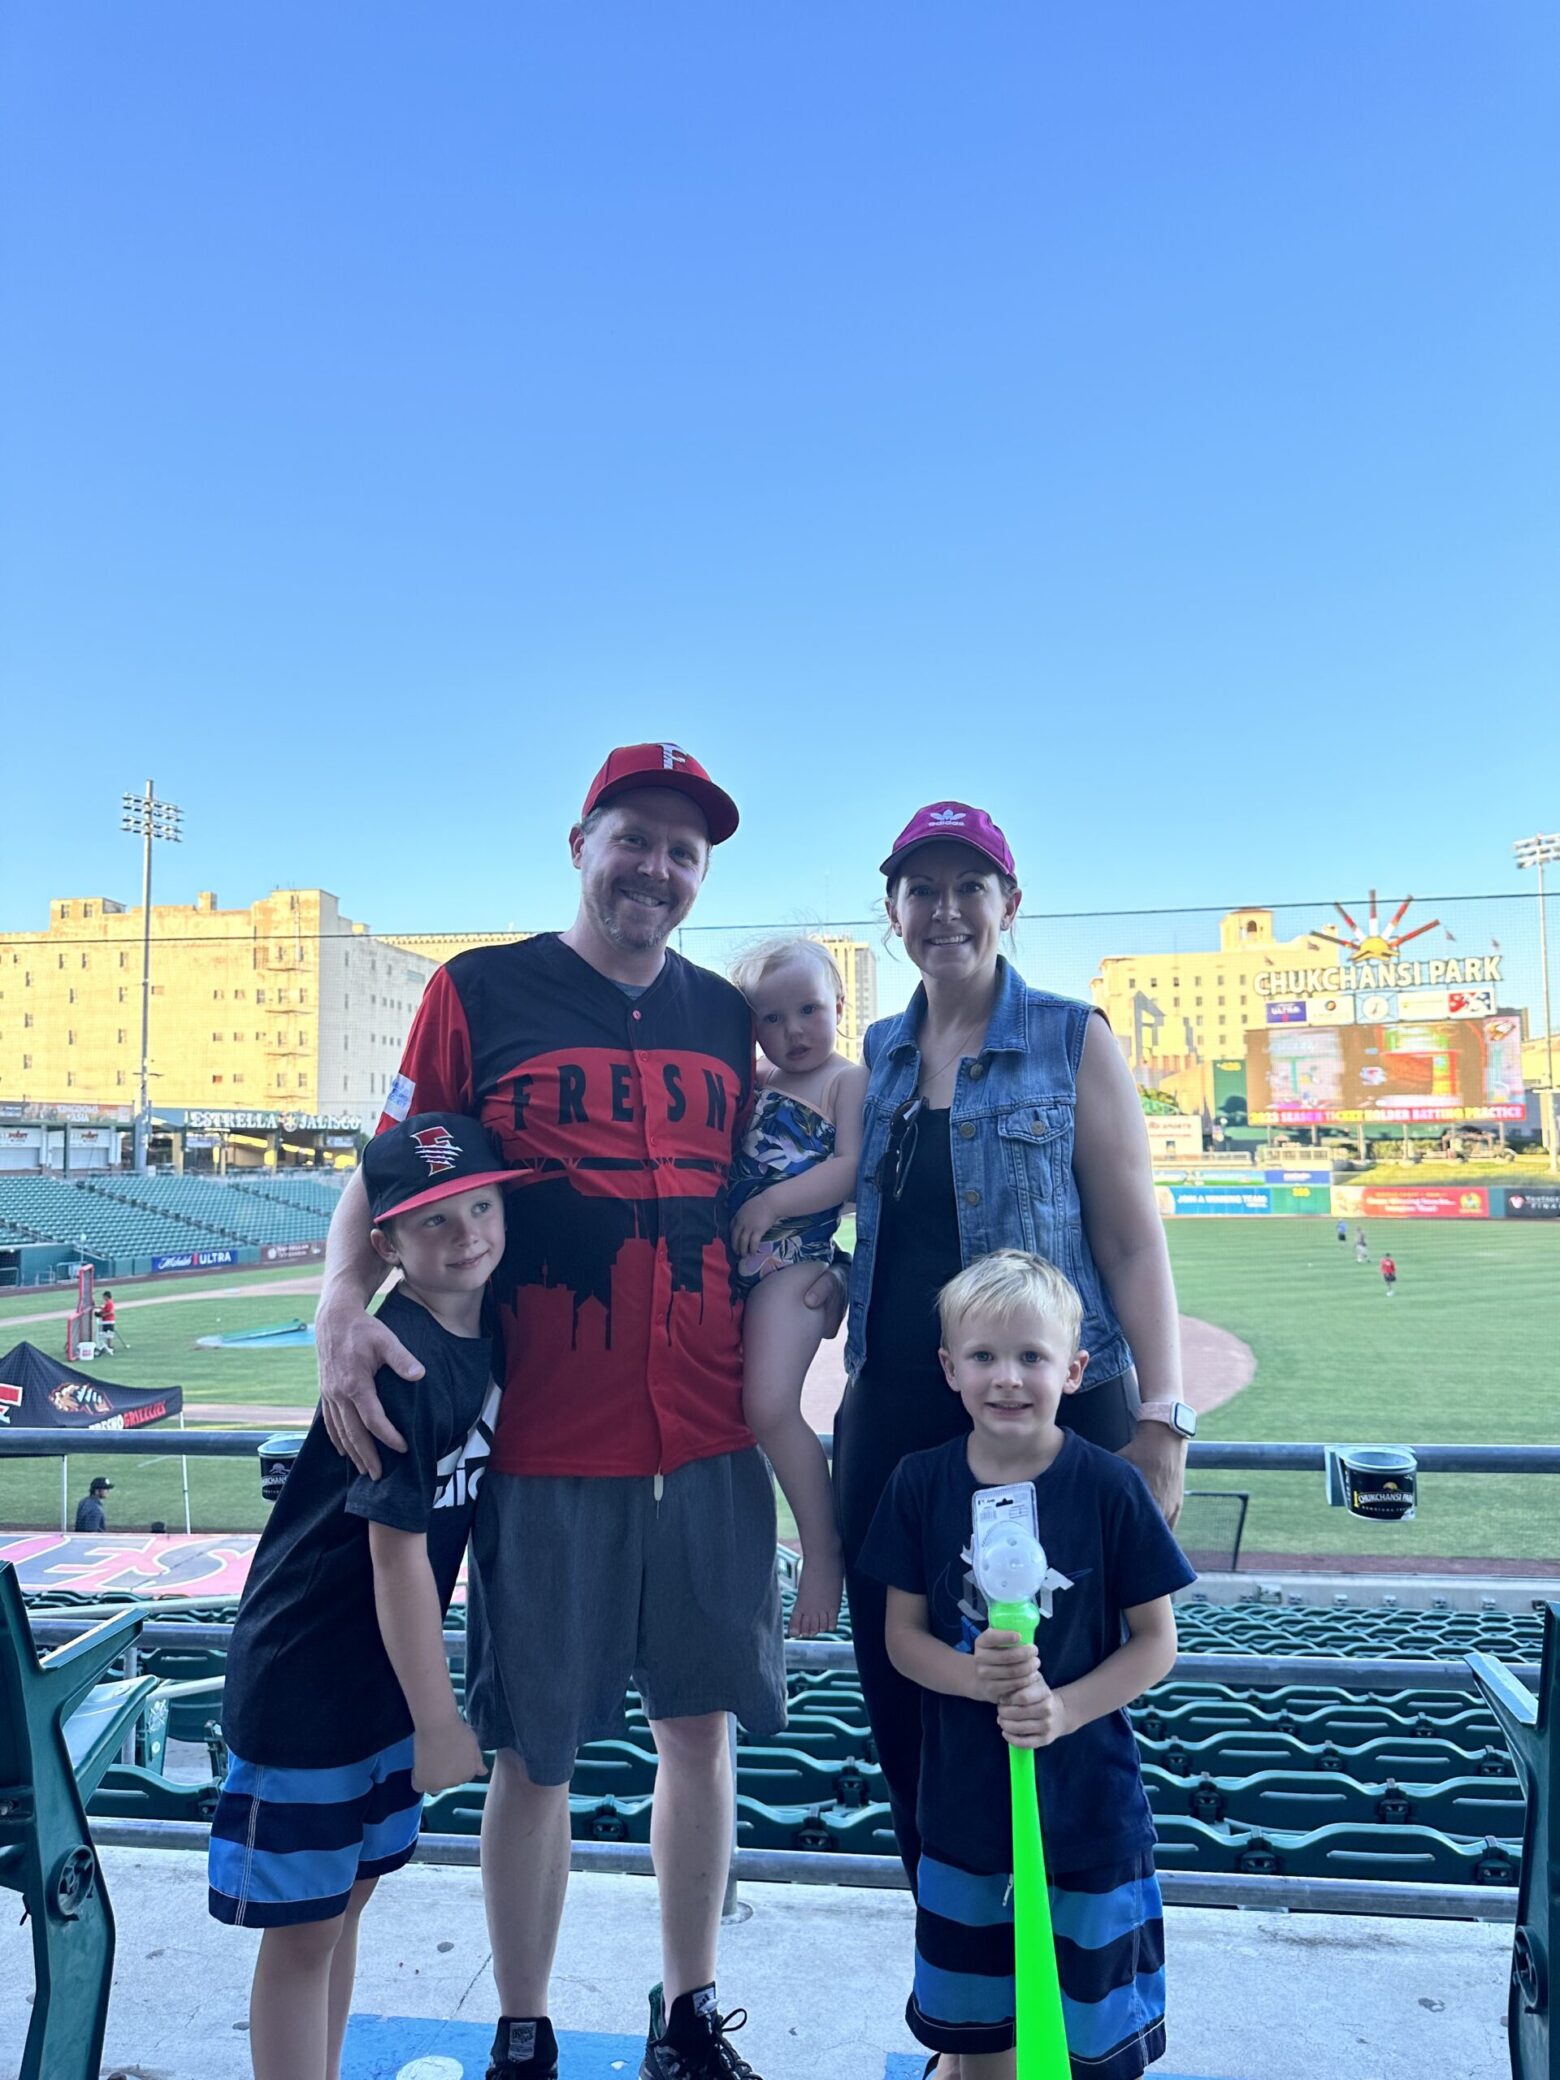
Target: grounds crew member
90,1514
615,1074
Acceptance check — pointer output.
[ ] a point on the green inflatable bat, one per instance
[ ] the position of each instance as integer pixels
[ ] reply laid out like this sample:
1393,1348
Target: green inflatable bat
1010,1567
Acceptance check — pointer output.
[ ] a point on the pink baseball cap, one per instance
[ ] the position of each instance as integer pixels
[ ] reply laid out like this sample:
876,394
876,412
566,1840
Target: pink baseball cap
955,823
663,765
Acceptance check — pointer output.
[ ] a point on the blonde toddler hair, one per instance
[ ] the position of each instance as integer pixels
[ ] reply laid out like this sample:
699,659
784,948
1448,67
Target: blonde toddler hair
1004,1283
749,969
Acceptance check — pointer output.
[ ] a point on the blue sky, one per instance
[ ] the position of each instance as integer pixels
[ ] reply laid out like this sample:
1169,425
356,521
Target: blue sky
1142,420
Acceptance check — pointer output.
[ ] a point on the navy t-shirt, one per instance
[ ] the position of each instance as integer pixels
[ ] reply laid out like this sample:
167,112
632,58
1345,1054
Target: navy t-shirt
1102,1529
308,1683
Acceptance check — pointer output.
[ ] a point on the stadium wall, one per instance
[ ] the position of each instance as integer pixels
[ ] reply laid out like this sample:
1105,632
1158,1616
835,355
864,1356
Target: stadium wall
54,1263
1208,1192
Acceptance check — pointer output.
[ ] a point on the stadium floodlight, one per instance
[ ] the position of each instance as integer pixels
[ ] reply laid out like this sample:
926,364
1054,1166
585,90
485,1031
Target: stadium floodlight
143,816
1540,852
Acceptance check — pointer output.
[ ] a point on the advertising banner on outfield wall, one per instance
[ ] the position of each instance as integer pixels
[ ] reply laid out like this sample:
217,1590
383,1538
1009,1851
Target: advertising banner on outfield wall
1438,1202
195,1260
291,1252
1530,1205
1191,1198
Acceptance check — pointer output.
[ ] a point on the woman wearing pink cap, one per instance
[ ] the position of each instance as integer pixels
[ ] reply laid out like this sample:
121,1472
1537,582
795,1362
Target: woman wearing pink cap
997,1117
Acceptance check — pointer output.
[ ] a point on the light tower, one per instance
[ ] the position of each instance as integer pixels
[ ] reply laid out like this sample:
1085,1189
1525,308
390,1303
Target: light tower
1539,852
146,818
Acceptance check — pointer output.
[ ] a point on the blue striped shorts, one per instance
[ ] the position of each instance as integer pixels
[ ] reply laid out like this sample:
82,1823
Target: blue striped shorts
1110,1956
288,1845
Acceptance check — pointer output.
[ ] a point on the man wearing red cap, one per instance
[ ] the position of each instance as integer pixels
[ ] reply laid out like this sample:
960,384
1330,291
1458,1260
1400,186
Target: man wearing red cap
626,1529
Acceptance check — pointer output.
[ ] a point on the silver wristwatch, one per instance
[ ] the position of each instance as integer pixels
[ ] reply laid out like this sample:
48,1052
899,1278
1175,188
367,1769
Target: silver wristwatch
1180,1415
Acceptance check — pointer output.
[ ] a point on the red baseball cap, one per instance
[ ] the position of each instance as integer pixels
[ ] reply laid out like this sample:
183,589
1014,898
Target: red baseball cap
663,765
954,823
431,1156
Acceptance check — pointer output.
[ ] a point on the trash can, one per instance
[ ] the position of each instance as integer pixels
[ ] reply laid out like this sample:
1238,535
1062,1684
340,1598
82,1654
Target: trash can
276,1457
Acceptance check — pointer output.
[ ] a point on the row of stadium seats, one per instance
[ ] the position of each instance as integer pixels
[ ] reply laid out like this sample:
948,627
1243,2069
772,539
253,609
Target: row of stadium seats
312,1190
1374,1631
228,1211
1413,1848
824,1756
1308,1779
1377,1631
122,1215
59,1211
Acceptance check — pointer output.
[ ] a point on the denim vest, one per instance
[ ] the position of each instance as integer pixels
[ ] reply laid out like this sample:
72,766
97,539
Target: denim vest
1011,1134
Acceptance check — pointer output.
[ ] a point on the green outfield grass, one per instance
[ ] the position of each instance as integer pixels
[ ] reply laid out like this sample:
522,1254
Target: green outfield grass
29,1300
1463,1353
159,1348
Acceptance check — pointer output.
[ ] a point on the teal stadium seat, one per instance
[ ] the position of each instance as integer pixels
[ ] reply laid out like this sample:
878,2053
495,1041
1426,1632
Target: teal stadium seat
1414,1758
59,1726
129,1792
1398,1854
1301,1800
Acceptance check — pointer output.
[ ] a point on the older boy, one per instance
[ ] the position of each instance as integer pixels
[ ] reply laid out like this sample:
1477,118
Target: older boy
337,1709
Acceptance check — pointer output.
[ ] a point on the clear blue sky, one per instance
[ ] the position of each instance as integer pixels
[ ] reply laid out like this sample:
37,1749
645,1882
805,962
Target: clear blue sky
1141,419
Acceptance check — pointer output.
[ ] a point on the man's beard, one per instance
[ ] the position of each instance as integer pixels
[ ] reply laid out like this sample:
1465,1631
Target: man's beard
633,927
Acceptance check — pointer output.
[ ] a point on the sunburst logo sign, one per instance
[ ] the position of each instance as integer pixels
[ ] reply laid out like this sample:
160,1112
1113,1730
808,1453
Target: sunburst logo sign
1374,944
1374,960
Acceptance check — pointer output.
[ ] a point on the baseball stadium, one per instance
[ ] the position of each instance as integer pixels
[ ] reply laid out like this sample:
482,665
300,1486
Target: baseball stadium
1370,1482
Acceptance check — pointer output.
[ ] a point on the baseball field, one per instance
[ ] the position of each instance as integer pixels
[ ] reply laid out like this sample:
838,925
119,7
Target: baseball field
1462,1352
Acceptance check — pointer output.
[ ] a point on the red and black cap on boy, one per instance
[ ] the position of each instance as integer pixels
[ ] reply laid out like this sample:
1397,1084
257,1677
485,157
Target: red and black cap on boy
432,1155
663,765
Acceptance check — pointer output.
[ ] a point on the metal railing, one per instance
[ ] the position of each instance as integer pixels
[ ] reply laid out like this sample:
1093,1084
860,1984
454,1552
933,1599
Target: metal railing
1227,1454
1242,1889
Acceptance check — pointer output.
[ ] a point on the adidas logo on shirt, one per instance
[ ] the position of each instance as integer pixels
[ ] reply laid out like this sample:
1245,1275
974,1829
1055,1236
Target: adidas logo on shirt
460,1471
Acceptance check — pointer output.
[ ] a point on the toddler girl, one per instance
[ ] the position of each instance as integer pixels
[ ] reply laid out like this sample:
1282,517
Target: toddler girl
795,1168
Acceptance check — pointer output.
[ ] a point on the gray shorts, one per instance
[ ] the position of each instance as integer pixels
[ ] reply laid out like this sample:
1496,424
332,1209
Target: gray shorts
579,1587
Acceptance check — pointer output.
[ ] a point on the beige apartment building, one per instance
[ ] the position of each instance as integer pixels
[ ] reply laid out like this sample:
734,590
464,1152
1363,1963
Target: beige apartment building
1173,1014
857,963
440,947
287,1006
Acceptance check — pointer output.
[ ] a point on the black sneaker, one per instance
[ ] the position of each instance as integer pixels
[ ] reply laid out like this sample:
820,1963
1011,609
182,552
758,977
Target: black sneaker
691,2043
524,2049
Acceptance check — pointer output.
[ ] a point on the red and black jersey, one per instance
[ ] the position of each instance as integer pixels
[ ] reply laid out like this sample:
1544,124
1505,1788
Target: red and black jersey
622,1334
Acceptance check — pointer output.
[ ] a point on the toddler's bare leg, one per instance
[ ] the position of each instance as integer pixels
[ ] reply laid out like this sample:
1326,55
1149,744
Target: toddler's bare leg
289,2001
780,1335
985,2065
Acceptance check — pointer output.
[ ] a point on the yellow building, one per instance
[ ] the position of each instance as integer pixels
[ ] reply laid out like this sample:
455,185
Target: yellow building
284,1007
1172,1013
1538,1057
857,963
440,947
